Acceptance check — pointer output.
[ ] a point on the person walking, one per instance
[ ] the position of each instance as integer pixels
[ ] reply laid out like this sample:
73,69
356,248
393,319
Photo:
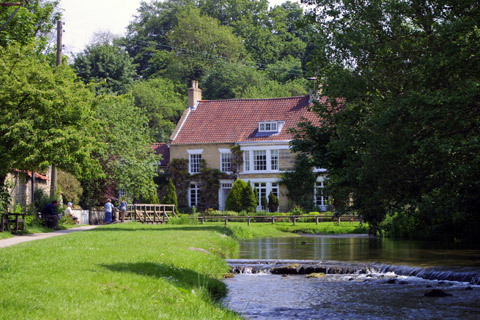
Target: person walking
108,211
123,209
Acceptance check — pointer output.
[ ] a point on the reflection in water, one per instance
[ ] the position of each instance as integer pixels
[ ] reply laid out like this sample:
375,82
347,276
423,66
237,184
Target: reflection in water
359,249
379,295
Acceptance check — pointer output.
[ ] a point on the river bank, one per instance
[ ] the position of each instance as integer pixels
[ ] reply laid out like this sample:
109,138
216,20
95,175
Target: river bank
124,271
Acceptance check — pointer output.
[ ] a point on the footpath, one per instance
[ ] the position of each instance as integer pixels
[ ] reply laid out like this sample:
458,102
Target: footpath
37,236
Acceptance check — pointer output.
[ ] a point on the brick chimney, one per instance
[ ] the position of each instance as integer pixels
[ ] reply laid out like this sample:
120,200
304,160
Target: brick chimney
194,94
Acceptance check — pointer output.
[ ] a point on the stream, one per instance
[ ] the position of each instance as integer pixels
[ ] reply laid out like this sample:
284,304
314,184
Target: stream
356,278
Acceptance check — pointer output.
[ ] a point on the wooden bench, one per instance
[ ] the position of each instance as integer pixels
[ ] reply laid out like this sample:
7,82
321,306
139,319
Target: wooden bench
16,218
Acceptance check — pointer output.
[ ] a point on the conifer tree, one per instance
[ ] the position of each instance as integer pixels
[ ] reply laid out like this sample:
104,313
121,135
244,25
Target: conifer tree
171,196
272,202
234,197
249,200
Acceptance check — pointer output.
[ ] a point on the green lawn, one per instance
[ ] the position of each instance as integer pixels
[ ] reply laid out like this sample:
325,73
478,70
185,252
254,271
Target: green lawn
121,271
280,229
128,271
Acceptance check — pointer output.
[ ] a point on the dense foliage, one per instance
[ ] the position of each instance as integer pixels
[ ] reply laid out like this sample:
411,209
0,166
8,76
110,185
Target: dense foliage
34,20
243,46
241,197
46,115
300,182
126,156
171,196
405,142
108,66
272,202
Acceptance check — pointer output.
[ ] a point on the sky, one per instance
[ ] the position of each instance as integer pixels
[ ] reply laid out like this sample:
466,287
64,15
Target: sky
84,18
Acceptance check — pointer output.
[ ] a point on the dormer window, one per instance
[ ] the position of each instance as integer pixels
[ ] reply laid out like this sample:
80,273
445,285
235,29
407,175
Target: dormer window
268,126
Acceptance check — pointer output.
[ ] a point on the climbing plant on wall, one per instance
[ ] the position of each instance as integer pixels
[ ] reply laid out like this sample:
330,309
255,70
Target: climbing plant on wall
178,172
209,182
237,159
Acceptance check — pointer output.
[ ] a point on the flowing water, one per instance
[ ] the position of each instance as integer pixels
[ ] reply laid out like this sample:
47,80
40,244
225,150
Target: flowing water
364,279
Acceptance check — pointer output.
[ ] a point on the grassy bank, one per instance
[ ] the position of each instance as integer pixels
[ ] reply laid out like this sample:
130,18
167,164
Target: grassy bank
281,229
122,271
127,271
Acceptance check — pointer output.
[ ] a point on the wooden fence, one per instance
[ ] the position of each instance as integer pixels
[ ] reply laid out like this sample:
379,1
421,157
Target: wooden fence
151,213
145,213
273,219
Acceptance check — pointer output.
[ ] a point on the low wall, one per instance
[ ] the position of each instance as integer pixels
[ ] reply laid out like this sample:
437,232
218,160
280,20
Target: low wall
82,215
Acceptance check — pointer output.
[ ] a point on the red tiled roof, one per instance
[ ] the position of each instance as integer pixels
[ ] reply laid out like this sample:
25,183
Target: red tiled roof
29,174
236,120
164,150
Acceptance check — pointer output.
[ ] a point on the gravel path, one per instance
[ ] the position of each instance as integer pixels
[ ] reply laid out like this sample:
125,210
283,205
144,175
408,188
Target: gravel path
36,236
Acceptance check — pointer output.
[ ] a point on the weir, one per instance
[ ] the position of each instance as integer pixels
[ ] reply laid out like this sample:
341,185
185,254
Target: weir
304,267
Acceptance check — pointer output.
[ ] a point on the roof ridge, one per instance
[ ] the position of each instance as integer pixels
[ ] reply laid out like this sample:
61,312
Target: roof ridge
254,99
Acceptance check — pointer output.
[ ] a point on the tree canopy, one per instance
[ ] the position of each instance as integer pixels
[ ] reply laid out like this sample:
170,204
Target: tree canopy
46,114
405,137
185,40
33,22
107,65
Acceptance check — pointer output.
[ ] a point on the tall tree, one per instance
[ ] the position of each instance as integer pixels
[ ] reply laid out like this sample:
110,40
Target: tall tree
163,102
46,115
108,66
406,137
147,33
200,41
34,21
227,81
126,157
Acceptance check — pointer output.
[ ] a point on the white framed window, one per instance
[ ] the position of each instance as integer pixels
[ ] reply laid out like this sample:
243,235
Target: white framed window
274,189
273,159
226,162
259,160
261,189
268,126
194,195
320,197
194,162
246,160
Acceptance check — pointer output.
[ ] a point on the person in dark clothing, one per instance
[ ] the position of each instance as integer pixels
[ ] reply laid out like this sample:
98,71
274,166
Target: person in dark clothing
49,214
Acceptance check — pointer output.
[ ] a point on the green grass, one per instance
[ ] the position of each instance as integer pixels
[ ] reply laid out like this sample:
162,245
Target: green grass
285,229
325,228
5,235
36,228
121,271
130,271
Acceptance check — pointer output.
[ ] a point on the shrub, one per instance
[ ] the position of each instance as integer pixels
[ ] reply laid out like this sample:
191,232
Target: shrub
171,196
153,199
70,186
272,202
218,213
398,225
185,219
41,200
297,211
249,200
234,201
